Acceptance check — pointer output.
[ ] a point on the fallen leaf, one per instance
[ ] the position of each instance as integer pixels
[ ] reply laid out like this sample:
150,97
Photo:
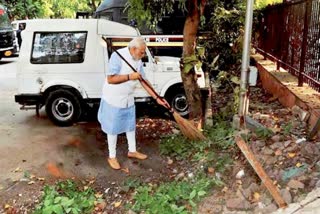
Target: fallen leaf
98,195
239,182
117,204
225,189
298,164
256,196
126,170
291,154
7,206
31,182
92,181
40,179
54,170
170,161
101,205
278,152
85,187
18,169
210,170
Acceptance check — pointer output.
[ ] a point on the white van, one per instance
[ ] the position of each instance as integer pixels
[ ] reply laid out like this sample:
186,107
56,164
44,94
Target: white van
62,66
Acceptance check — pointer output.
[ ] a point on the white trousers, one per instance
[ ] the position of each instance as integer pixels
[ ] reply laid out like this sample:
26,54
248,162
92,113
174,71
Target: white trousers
112,143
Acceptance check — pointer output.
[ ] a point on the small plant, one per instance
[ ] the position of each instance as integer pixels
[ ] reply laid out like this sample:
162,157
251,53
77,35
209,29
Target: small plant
263,133
181,196
66,197
176,146
130,183
176,197
287,128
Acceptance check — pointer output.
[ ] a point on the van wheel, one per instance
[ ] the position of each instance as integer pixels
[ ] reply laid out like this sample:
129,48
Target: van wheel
63,107
178,100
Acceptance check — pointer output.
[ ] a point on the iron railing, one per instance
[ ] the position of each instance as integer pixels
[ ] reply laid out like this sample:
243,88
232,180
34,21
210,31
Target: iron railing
290,33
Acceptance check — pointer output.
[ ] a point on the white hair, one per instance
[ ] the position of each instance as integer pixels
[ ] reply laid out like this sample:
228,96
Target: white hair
137,42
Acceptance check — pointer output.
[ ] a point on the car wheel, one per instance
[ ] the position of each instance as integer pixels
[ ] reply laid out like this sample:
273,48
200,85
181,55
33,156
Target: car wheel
63,107
178,101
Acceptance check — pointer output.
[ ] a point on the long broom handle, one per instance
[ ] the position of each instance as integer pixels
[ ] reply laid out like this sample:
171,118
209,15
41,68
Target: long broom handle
144,81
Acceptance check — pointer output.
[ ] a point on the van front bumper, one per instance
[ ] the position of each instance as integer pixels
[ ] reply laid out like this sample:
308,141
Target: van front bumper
28,99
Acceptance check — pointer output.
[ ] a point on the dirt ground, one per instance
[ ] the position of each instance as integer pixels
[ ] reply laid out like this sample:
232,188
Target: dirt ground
34,152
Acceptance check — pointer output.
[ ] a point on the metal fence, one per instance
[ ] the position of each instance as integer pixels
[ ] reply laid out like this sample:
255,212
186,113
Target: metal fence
290,34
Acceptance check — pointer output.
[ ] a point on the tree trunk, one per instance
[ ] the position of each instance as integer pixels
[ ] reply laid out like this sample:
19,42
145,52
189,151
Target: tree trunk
189,44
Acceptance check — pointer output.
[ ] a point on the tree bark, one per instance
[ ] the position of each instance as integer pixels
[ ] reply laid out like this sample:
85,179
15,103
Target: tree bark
189,44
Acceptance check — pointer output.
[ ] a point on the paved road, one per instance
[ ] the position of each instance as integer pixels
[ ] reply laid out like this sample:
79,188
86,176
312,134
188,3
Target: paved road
30,144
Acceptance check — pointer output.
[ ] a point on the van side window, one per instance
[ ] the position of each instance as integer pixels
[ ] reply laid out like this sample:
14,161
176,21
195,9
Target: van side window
58,47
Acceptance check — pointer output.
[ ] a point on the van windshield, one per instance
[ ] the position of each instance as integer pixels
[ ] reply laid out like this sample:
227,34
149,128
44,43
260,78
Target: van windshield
4,19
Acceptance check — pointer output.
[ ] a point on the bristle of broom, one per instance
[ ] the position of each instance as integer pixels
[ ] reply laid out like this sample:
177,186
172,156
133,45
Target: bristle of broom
187,128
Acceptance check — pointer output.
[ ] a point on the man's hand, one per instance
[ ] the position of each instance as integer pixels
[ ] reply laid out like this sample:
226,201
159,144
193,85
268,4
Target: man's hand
135,76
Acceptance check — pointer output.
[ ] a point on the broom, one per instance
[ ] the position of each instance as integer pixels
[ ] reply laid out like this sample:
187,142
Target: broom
185,126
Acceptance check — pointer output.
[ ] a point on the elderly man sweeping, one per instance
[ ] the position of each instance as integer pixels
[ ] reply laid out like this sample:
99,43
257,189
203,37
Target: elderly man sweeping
117,112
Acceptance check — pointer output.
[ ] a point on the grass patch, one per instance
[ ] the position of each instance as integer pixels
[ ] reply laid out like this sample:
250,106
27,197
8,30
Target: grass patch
220,138
181,196
175,197
66,197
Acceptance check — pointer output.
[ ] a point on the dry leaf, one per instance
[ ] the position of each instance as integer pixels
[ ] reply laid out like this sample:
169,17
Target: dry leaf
256,196
126,170
40,179
18,169
7,206
298,164
170,161
85,187
278,152
239,182
225,189
101,205
31,182
211,170
117,204
98,195
291,154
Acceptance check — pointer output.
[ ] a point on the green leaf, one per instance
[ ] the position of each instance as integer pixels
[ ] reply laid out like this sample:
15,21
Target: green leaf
201,51
199,65
57,200
190,59
201,193
57,209
75,211
235,80
68,210
192,194
192,203
187,68
47,210
47,202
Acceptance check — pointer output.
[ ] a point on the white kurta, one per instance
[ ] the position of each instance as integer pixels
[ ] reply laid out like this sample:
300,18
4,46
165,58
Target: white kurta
117,110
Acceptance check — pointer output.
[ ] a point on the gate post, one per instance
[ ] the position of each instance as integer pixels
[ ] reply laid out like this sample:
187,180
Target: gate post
308,11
